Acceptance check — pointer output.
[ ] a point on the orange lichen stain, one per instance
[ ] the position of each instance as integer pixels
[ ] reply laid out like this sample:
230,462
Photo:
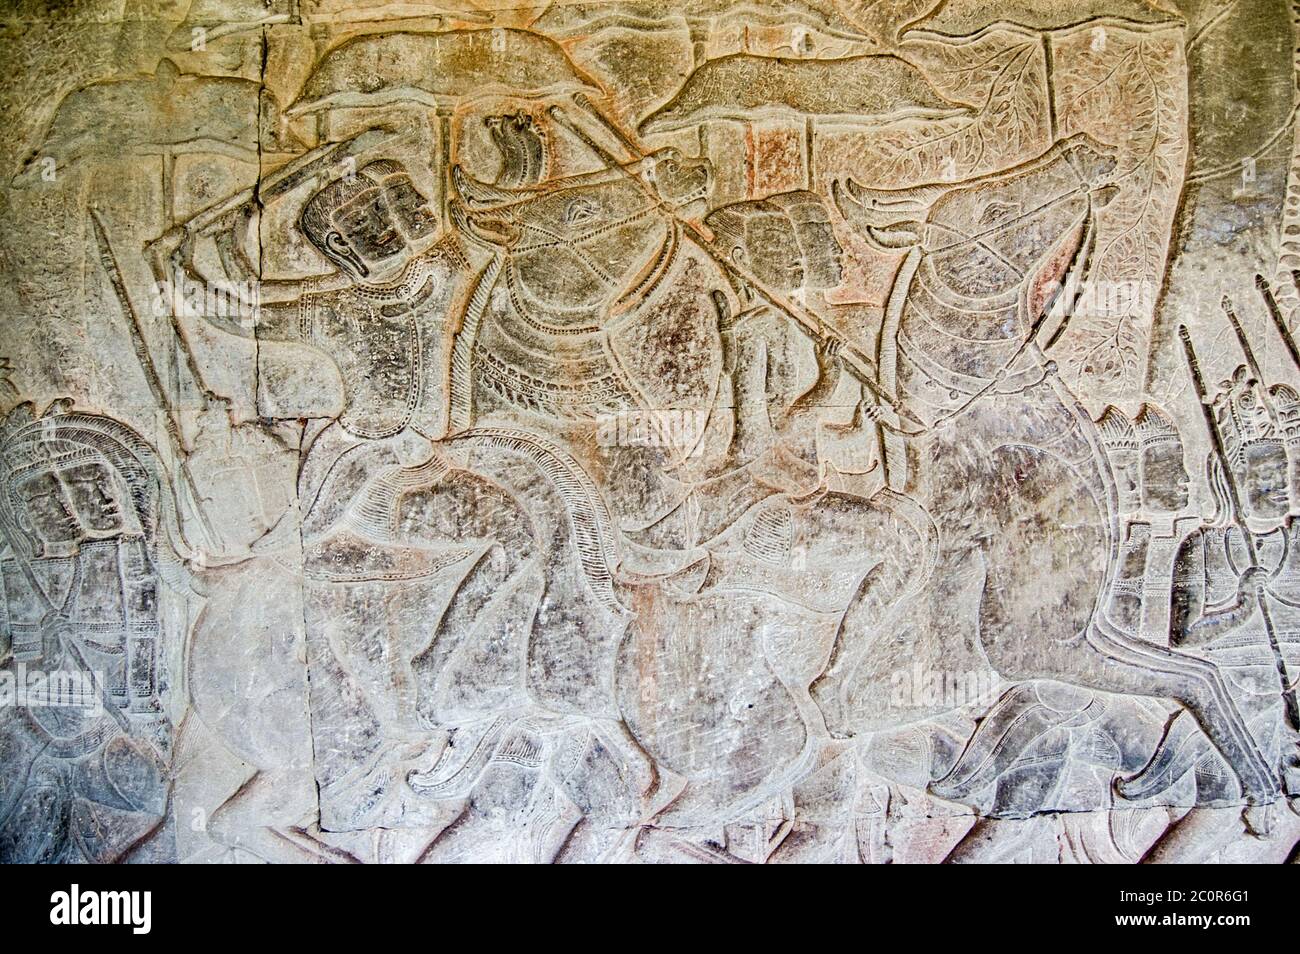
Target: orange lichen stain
776,159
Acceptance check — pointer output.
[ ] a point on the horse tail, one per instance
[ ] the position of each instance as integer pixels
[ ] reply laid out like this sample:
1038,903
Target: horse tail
460,386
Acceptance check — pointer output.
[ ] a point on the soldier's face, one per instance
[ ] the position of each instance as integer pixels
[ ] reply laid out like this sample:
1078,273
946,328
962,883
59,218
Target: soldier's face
1266,491
1164,478
414,215
47,509
380,228
75,503
773,252
370,229
1124,465
825,254
94,496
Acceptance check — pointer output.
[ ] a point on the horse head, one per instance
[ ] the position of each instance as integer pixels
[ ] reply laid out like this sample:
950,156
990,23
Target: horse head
990,231
992,253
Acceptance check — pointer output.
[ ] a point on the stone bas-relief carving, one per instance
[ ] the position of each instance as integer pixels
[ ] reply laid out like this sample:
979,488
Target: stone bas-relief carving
625,432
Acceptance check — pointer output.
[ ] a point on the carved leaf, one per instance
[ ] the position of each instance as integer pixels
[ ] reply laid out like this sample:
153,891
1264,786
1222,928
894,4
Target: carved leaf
1002,77
1125,89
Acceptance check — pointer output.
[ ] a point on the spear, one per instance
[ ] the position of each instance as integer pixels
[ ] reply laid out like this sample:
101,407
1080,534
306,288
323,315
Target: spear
857,364
171,422
1251,361
1289,704
1270,303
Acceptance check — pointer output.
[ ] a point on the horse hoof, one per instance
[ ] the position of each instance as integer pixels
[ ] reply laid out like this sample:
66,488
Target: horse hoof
1258,819
1291,779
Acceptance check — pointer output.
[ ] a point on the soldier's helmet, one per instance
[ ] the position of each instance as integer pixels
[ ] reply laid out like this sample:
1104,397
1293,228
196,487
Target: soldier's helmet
371,222
1162,474
1256,452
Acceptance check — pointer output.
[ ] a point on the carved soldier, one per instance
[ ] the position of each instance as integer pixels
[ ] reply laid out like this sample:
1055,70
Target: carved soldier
1215,601
407,519
1214,585
591,301
1216,591
1284,581
1163,476
784,383
380,315
89,524
1146,458
1120,443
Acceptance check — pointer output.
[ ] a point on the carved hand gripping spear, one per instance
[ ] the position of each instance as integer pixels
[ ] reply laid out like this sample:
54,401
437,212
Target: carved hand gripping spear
1288,693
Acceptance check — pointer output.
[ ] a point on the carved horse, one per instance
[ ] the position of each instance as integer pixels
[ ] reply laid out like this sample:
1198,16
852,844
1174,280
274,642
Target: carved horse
604,304
1007,461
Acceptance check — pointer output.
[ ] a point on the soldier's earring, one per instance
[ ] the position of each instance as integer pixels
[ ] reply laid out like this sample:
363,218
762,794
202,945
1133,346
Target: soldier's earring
339,247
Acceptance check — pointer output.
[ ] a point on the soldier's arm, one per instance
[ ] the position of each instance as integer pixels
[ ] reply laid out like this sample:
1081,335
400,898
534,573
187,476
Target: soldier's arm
817,399
1192,622
201,262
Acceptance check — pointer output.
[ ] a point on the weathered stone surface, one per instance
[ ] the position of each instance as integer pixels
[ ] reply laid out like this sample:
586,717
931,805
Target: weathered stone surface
641,432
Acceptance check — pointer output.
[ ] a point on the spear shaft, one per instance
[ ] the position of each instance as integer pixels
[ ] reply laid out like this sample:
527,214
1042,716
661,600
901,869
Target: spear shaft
857,364
1275,313
171,420
1251,361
